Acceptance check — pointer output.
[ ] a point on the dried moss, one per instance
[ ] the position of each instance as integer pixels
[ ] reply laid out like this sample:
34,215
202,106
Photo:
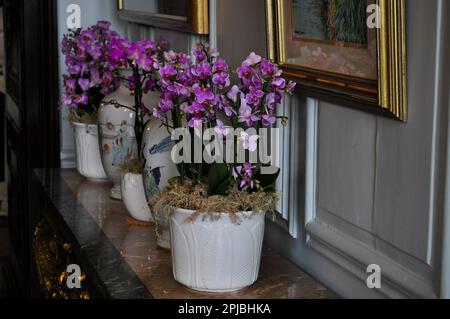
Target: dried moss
195,197
86,118
133,166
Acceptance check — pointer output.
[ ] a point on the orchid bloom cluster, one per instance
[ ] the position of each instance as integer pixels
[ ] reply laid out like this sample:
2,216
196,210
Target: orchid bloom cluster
90,75
200,91
256,98
191,89
176,81
260,91
143,59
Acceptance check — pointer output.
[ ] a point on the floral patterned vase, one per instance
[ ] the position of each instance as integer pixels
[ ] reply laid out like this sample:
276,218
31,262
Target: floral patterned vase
116,136
158,169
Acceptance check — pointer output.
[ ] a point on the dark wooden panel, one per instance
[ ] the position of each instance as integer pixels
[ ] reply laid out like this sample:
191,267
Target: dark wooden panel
32,118
12,21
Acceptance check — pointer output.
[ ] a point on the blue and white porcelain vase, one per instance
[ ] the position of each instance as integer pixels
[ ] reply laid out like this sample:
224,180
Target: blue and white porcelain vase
157,171
117,139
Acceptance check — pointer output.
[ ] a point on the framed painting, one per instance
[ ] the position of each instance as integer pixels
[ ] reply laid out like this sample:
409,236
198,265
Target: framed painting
348,51
190,16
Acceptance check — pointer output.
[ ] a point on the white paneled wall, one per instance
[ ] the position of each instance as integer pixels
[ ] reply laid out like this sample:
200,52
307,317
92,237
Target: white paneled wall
371,187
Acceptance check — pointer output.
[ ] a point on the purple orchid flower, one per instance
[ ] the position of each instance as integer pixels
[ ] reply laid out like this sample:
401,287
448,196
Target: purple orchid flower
168,71
222,80
203,94
246,115
244,173
96,51
268,120
279,83
84,84
165,105
234,93
221,129
249,142
244,71
70,85
196,109
252,59
184,108
254,96
270,101
220,66
268,68
199,53
87,35
203,71
196,123
291,87
95,77
145,62
257,82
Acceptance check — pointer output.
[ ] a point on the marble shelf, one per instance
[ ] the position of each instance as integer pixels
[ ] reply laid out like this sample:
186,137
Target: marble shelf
121,258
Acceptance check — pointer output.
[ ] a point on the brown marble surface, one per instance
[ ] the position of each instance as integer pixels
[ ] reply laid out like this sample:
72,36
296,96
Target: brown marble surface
278,277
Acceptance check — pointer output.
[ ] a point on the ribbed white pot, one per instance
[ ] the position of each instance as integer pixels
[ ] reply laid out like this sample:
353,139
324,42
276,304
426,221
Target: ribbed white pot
89,163
216,256
133,197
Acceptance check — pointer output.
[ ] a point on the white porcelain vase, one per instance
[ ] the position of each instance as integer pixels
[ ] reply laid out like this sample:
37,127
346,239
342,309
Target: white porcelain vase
89,163
133,197
216,256
116,136
158,169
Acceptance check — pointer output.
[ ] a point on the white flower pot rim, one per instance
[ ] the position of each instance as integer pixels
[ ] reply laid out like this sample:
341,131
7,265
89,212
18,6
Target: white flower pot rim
83,124
190,212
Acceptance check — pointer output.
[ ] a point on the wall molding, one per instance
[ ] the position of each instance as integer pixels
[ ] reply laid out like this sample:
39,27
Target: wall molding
213,23
438,106
312,118
354,256
343,250
445,250
68,158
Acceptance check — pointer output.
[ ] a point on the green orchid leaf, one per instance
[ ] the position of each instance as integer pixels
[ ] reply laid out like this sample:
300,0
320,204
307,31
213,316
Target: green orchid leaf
218,179
267,180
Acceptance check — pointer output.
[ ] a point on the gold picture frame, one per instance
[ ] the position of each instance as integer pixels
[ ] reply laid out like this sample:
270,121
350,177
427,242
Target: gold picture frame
386,94
196,19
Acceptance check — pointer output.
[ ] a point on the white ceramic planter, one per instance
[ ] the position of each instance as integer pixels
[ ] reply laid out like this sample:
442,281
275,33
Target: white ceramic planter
133,197
116,136
159,168
216,256
89,163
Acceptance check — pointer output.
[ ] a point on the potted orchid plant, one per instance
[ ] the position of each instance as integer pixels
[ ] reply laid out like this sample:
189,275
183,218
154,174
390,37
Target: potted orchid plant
88,79
124,116
216,206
